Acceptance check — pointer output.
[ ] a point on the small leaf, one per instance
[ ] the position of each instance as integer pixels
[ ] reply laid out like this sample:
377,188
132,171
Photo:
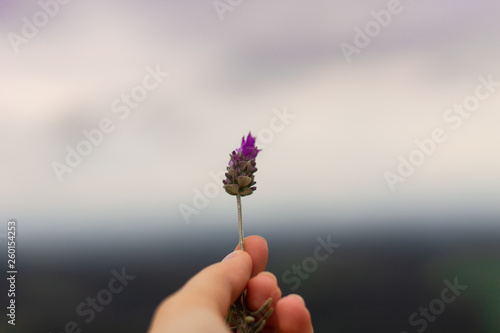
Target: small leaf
246,191
244,181
231,189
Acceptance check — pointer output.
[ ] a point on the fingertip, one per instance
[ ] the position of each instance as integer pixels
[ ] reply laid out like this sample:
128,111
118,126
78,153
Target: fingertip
293,315
270,276
259,238
256,246
259,290
262,287
297,299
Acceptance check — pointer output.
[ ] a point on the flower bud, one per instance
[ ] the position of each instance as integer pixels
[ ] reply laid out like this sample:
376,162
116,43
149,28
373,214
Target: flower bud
241,168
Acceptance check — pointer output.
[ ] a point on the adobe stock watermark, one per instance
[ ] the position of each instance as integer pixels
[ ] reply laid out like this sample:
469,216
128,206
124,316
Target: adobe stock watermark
363,37
298,273
31,27
454,117
425,315
121,106
92,305
223,6
12,269
211,190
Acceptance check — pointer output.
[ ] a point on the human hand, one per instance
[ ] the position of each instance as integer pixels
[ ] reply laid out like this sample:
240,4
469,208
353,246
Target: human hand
201,305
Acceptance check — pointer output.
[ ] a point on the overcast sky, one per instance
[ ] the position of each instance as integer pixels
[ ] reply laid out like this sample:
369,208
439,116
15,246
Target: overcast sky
332,126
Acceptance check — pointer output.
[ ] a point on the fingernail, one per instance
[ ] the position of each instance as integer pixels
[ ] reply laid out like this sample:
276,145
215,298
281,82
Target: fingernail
231,255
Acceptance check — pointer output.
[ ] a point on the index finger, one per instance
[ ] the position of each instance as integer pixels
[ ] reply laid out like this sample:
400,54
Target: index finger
256,246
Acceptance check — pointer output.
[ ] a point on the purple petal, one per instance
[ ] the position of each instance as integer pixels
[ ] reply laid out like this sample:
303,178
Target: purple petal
247,150
250,142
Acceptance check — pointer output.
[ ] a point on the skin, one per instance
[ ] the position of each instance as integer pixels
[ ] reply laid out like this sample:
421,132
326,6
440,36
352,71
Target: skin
201,305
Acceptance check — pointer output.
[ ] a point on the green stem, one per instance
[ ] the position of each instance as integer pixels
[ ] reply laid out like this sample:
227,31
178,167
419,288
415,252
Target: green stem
240,221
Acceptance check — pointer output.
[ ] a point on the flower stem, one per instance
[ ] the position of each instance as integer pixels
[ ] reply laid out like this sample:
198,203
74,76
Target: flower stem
240,221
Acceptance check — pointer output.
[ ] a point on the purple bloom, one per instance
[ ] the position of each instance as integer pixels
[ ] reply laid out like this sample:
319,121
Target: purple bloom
247,150
241,167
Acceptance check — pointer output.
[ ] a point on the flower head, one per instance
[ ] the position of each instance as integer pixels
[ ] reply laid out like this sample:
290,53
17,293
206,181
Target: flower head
241,167
248,149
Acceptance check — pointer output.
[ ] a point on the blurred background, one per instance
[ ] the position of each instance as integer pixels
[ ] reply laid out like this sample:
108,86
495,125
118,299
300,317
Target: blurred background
110,163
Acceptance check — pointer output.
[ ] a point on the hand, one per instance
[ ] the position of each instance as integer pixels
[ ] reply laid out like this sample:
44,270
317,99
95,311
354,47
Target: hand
201,305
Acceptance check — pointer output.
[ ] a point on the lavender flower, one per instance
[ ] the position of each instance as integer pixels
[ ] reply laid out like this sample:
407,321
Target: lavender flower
240,182
241,168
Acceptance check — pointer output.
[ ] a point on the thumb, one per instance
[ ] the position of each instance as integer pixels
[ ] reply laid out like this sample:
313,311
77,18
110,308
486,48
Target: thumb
206,296
218,285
